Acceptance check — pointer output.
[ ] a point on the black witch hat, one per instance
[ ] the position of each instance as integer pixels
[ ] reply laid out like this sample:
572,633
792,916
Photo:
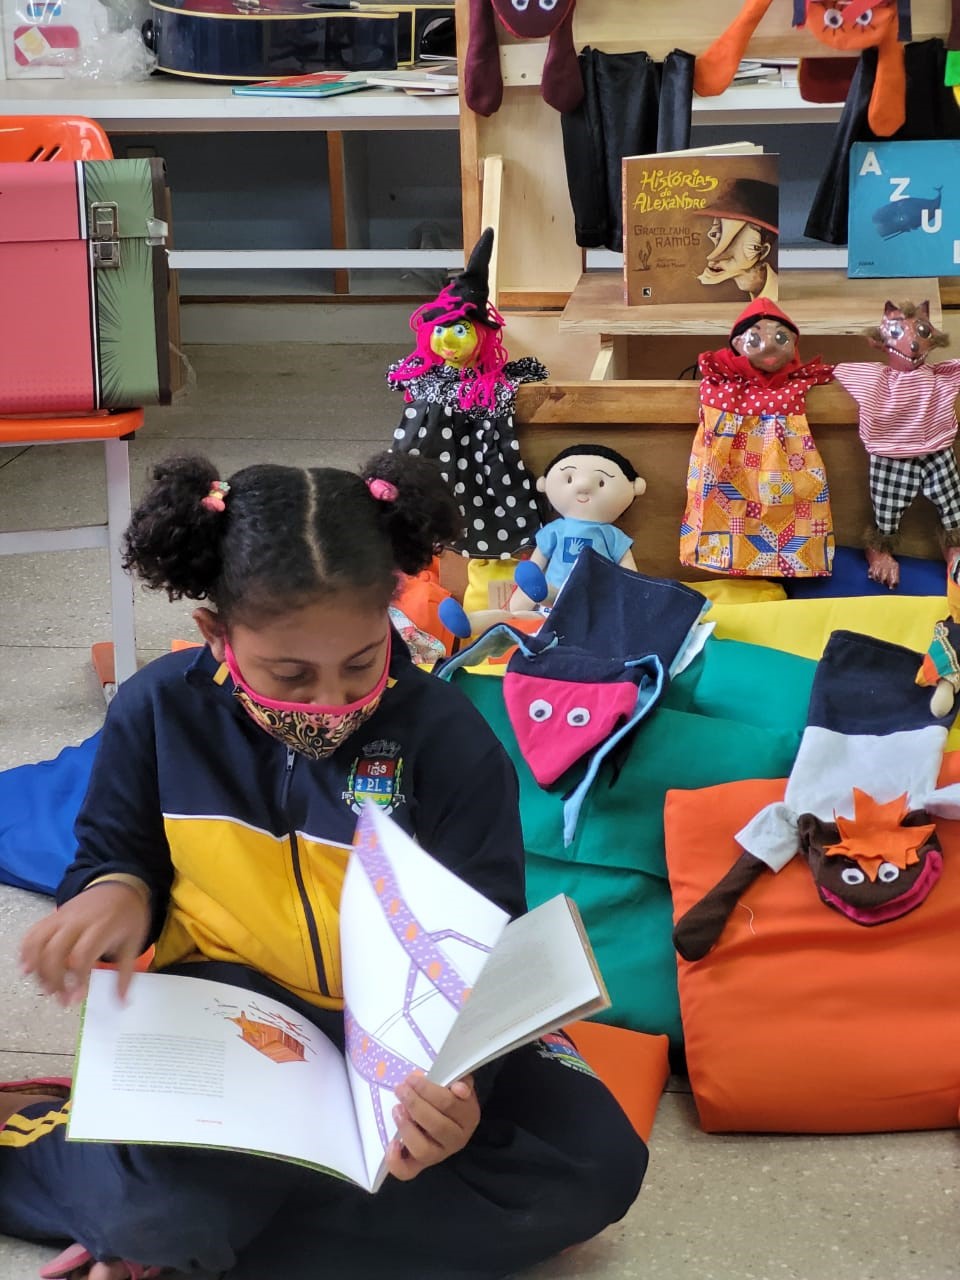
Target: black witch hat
471,288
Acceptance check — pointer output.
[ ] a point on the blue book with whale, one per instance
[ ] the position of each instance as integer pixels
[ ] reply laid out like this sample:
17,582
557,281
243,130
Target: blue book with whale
904,217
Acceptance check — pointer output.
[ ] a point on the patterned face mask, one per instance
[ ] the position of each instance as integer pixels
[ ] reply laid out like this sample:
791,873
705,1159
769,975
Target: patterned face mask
312,730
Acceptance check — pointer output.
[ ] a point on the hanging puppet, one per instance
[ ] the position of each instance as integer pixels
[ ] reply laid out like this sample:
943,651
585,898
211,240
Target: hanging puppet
595,668
561,83
460,392
908,425
940,669
860,800
845,26
758,503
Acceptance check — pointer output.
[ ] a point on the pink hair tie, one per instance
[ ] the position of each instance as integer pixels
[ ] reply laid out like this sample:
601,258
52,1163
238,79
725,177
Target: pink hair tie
383,490
214,501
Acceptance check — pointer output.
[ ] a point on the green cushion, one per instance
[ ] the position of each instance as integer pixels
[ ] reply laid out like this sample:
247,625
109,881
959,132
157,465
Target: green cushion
615,869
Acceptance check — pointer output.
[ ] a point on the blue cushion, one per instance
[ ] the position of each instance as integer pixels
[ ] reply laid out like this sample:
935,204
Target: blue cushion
38,806
849,578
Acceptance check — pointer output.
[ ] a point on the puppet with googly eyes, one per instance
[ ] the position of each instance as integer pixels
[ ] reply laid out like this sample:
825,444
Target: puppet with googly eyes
561,83
861,802
460,390
847,26
758,503
908,425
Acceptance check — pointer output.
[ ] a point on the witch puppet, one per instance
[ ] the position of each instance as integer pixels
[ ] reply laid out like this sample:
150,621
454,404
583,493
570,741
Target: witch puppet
460,390
758,503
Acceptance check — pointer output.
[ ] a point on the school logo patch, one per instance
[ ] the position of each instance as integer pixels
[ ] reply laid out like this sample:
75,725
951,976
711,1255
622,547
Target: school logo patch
376,775
559,1049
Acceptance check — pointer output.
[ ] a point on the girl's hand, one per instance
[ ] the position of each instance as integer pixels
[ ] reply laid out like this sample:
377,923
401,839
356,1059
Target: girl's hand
108,921
432,1122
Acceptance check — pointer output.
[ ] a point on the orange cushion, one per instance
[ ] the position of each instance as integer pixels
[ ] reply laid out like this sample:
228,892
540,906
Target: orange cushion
632,1065
799,1021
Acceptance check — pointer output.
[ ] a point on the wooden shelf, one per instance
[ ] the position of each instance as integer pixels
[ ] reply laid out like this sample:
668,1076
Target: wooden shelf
821,301
167,104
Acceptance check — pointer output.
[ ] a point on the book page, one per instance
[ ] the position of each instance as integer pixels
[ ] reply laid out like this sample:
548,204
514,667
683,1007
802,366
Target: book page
413,939
720,149
194,1062
541,975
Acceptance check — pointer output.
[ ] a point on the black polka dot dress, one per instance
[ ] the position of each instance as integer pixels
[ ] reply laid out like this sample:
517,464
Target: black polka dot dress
478,454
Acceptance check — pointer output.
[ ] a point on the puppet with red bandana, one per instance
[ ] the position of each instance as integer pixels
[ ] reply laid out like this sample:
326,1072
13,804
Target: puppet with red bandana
758,503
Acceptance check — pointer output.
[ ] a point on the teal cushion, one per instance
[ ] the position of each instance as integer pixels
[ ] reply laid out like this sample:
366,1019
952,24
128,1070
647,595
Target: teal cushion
615,868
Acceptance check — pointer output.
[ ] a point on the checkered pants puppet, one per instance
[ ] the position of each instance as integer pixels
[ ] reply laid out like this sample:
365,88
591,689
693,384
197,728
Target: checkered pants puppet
895,482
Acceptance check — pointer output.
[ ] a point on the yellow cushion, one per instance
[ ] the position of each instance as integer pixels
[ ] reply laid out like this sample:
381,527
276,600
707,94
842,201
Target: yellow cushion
738,591
804,626
481,576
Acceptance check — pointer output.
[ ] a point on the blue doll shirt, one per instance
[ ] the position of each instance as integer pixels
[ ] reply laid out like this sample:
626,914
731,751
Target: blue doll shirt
562,540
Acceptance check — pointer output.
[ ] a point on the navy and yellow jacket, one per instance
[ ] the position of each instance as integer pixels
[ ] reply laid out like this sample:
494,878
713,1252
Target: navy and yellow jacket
243,844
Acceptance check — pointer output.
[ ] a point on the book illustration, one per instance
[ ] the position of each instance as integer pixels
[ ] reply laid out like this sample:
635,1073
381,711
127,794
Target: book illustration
700,227
909,214
744,227
270,1033
903,217
430,972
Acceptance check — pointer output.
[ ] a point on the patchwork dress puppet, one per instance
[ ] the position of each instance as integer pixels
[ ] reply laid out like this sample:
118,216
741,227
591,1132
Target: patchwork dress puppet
908,425
860,803
758,503
460,392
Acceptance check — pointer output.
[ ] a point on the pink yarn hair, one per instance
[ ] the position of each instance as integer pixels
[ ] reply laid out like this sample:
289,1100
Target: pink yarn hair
479,381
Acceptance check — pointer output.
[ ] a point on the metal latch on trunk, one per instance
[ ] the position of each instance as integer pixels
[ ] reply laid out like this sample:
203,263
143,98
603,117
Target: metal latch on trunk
105,234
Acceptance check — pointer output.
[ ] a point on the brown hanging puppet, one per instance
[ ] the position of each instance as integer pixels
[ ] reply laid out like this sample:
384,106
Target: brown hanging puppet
561,84
847,26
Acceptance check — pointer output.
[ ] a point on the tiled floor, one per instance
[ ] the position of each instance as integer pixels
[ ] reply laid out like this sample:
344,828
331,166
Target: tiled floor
713,1207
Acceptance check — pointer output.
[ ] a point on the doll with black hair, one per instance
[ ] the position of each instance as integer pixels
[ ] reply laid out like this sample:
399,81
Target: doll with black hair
216,829
589,486
460,390
758,503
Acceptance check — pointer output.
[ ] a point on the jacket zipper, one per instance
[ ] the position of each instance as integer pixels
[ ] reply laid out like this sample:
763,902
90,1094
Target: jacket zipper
298,876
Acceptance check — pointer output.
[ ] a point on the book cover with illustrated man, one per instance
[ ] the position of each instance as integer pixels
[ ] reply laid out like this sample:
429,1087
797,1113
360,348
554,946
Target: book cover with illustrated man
700,226
904,217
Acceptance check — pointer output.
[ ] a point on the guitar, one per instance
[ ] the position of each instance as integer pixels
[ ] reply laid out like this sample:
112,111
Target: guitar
246,40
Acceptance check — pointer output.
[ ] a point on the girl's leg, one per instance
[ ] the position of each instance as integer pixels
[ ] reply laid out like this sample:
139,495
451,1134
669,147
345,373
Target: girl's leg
553,1162
174,1207
161,1206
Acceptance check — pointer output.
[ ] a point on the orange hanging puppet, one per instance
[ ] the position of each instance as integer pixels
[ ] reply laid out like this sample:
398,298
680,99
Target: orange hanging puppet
846,26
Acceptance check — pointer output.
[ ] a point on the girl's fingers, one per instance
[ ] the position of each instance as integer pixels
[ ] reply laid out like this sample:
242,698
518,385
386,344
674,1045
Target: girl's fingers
400,1163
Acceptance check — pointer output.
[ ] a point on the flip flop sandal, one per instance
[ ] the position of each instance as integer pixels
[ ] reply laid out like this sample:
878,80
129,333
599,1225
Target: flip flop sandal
43,1085
75,1262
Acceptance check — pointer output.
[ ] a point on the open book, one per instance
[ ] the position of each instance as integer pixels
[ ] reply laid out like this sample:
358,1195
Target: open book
435,977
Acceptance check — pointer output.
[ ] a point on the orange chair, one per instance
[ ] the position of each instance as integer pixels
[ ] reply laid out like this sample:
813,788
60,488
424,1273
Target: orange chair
44,138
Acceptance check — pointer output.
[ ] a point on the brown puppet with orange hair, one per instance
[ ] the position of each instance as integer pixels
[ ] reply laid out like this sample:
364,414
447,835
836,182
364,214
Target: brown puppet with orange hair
861,801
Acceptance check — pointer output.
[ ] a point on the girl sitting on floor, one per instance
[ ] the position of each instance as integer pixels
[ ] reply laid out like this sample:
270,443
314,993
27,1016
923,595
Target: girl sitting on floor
217,828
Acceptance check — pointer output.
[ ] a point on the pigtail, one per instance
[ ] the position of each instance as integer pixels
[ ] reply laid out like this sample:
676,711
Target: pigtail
175,538
420,516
